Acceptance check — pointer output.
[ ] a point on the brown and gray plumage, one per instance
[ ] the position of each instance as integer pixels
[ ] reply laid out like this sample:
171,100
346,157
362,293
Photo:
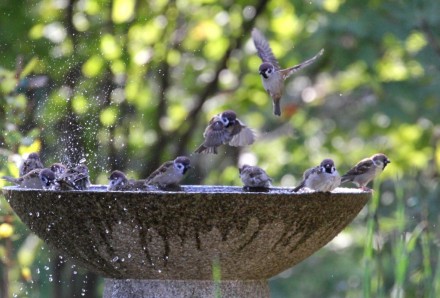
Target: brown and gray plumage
76,178
271,73
323,178
59,169
48,179
32,162
254,177
366,170
36,179
118,181
170,173
225,128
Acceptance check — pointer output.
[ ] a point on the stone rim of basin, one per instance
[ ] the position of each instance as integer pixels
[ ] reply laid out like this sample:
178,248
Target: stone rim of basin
183,235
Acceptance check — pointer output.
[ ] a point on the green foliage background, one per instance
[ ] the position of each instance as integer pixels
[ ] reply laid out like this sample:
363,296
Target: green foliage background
129,84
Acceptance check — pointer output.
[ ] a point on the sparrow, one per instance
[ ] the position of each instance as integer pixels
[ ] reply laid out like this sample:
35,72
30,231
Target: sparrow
272,75
366,170
119,181
254,178
59,169
48,179
225,128
32,162
36,179
76,178
169,174
323,178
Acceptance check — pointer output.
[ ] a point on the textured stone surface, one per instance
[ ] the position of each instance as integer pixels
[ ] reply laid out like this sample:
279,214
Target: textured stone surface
180,235
116,288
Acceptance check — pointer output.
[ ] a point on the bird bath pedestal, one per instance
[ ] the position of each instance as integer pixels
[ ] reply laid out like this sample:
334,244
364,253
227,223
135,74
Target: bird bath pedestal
168,244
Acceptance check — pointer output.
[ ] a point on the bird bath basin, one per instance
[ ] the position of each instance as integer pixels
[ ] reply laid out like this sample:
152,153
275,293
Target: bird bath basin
167,244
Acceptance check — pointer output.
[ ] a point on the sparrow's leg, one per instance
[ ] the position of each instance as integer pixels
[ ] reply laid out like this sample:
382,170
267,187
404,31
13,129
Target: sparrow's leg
364,188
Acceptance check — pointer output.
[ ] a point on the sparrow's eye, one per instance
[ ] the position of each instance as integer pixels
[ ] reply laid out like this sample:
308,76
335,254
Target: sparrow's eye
225,121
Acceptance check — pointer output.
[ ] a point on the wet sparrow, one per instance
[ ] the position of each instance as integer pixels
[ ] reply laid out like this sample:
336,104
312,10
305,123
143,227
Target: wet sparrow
32,162
119,181
37,179
76,178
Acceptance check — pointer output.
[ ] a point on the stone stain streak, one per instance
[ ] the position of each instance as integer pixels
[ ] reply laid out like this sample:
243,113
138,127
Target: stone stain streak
177,235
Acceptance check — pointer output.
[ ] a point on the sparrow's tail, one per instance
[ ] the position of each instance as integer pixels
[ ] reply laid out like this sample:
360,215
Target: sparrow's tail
276,108
345,178
296,189
203,149
11,179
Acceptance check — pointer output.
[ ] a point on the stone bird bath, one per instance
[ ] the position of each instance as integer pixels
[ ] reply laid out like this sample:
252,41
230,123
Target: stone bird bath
167,244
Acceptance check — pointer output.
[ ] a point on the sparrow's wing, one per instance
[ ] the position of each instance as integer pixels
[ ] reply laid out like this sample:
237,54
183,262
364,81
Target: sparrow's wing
361,168
263,48
159,172
136,184
261,175
285,73
244,138
216,135
306,176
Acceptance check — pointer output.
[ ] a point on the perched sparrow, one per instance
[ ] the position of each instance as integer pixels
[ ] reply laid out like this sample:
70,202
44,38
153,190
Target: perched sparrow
271,74
37,179
59,169
324,177
118,181
366,170
225,128
170,173
254,177
76,178
31,163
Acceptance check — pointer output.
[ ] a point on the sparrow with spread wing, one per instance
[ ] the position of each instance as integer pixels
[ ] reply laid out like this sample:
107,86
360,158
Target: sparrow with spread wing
225,128
271,73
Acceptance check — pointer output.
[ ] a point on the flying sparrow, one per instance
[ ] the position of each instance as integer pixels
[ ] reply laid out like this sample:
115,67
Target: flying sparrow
366,170
225,128
76,178
323,178
169,174
32,162
271,74
119,181
254,178
36,179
